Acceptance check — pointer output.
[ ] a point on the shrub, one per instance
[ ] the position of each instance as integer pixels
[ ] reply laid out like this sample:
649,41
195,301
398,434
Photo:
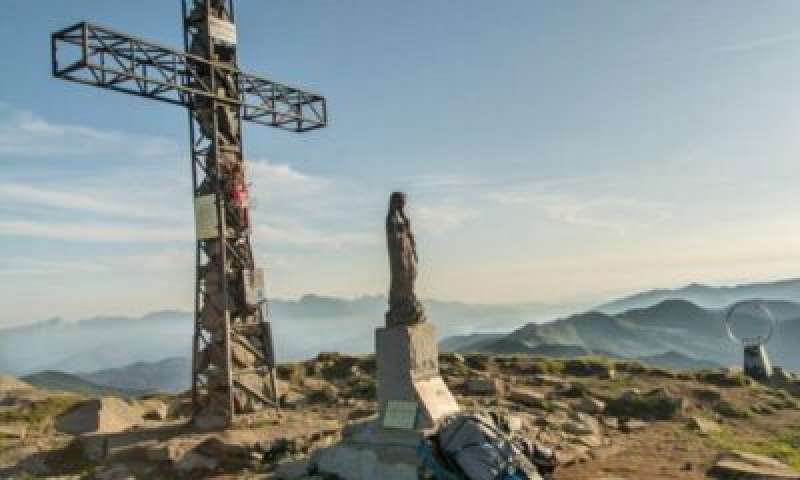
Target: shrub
323,395
365,388
589,367
657,404
728,409
723,379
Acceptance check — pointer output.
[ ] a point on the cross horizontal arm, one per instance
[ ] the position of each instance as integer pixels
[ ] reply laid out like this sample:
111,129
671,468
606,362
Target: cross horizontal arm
98,56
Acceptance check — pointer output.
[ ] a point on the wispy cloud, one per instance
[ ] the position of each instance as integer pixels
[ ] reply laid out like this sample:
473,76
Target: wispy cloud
300,236
158,260
57,198
93,232
772,41
272,179
26,134
602,211
441,218
19,266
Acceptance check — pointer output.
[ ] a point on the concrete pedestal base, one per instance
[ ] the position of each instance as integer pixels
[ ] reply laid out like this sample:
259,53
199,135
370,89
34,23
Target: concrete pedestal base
369,452
407,358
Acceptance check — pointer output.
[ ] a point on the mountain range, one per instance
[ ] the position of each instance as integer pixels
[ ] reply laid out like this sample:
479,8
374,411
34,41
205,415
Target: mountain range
680,328
302,328
65,382
674,333
707,296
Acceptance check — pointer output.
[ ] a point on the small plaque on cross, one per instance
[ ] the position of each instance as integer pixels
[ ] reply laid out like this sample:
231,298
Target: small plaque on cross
205,214
400,415
222,30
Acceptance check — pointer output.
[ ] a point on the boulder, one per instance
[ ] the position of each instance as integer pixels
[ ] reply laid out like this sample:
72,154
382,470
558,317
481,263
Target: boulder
572,454
234,447
100,415
633,425
194,461
171,451
180,407
528,397
293,400
114,472
451,357
591,405
594,440
581,424
295,470
707,394
483,386
13,430
545,380
514,423
704,426
478,361
749,466
11,384
610,422
153,409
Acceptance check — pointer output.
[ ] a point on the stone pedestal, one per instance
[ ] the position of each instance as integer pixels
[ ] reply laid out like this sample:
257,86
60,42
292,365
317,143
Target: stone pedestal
756,362
407,358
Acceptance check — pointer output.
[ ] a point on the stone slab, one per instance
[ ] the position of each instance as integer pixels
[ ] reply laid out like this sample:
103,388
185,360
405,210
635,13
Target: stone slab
435,399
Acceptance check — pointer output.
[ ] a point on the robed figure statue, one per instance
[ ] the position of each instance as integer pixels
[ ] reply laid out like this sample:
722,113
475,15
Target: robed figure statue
403,305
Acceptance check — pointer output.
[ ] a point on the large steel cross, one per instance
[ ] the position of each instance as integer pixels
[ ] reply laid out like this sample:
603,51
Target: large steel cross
233,365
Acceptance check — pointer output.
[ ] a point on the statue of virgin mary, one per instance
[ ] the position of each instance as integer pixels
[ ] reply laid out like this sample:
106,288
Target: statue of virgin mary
403,305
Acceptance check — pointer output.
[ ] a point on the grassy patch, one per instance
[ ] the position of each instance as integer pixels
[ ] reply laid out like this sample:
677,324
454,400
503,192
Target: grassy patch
784,446
40,412
723,379
730,410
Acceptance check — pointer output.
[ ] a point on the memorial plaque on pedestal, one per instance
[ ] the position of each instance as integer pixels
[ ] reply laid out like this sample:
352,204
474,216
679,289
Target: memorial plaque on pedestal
400,415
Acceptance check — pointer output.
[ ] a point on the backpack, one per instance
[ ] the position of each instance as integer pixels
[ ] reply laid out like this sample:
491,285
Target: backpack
482,451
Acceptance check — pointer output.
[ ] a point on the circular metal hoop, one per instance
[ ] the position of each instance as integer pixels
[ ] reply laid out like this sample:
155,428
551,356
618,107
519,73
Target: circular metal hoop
759,306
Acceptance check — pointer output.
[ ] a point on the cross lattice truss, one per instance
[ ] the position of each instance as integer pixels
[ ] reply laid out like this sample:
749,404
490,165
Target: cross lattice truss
102,57
233,355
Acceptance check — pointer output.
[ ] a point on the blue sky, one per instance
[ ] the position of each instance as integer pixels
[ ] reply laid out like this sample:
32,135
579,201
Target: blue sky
552,151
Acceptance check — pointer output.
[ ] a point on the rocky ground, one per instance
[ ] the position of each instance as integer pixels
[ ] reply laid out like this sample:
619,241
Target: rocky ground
606,420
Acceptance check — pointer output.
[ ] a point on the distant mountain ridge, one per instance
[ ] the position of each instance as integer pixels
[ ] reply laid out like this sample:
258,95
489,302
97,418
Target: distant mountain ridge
302,328
708,296
634,326
674,333
65,382
171,375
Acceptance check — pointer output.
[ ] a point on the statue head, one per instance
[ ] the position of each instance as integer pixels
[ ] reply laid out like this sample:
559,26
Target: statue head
397,201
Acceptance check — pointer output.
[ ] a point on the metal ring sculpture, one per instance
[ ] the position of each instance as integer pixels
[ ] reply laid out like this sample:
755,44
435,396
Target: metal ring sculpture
750,341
